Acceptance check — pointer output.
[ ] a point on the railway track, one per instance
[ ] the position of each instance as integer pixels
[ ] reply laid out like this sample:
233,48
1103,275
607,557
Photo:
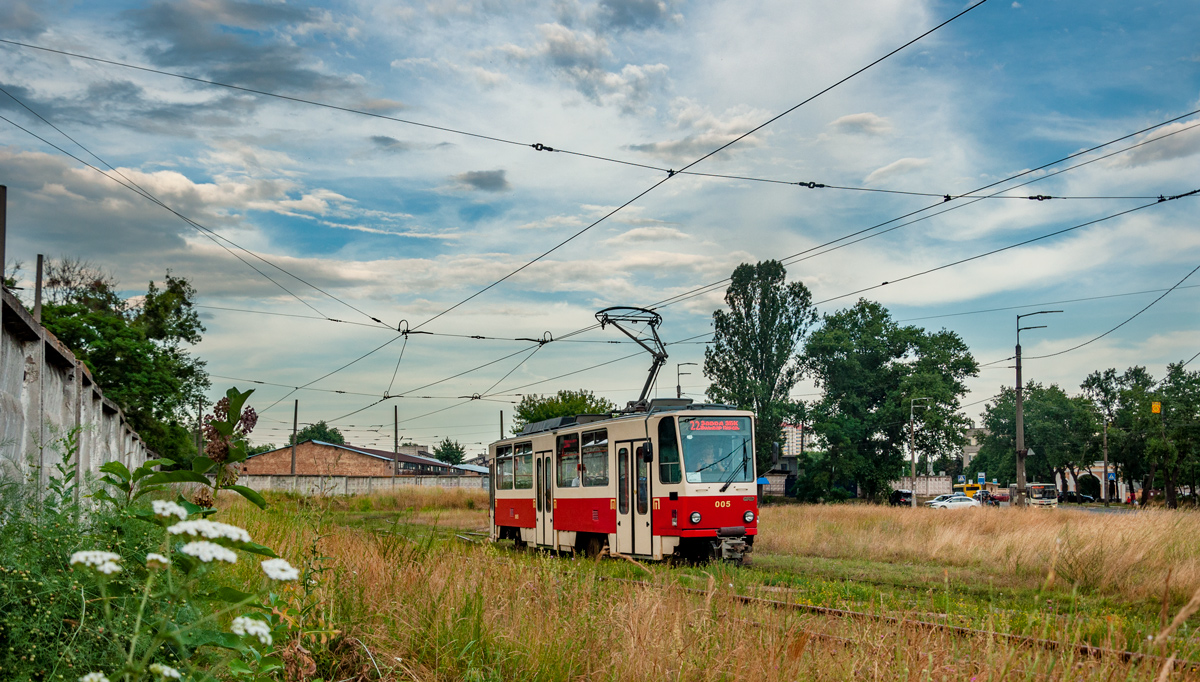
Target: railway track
1023,640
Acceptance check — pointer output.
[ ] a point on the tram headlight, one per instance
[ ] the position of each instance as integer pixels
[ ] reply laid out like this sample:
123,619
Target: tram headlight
748,517
695,517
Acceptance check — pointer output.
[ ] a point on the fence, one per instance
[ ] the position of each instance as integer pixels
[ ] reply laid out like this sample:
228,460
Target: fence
926,486
355,485
45,391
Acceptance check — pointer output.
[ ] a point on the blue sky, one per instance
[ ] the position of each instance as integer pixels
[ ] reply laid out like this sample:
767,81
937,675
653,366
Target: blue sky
402,222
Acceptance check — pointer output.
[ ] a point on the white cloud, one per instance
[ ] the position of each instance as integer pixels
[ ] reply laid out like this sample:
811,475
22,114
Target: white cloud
865,123
647,234
896,168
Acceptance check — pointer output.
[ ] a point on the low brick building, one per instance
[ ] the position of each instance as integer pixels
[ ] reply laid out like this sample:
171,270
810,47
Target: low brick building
317,458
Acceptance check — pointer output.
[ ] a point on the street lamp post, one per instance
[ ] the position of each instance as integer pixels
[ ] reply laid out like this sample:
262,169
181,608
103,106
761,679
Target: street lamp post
678,384
1021,451
912,447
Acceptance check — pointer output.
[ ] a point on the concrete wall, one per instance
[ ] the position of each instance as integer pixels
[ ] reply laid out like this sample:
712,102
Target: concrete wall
44,393
357,485
317,460
927,486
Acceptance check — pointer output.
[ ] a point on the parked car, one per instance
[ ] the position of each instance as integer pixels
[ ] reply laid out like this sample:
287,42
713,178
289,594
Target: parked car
956,502
1072,496
900,498
939,498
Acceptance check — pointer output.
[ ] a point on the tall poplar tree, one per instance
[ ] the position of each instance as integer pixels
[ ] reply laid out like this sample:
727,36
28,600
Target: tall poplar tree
752,361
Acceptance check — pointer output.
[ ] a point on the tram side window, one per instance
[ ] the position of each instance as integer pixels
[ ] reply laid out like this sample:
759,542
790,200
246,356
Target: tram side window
523,456
595,458
568,461
669,470
504,468
623,480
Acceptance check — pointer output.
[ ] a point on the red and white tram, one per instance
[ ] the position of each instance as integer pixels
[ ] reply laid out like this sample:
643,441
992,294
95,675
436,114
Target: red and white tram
672,479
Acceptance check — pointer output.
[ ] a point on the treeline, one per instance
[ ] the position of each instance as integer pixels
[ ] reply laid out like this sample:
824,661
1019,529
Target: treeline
1152,450
874,372
136,348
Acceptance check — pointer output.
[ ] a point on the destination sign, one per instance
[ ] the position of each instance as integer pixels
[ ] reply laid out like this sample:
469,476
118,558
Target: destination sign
714,425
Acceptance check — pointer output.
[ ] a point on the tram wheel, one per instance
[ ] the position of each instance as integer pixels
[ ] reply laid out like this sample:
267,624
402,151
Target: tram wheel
593,546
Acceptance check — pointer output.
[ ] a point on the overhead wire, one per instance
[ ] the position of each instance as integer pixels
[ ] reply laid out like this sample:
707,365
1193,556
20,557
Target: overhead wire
146,194
719,149
1122,324
704,289
1034,305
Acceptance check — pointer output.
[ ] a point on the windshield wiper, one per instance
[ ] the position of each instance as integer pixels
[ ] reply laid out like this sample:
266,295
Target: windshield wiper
733,473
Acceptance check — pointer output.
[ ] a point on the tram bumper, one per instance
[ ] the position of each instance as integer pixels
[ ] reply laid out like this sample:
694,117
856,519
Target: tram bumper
732,543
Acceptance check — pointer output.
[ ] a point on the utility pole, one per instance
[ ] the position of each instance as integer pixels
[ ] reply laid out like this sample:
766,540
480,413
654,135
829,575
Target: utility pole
1106,495
678,384
37,292
396,439
912,449
295,427
1021,451
199,424
3,239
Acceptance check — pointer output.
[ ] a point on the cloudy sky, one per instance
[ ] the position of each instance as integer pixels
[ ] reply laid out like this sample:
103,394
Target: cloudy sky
361,214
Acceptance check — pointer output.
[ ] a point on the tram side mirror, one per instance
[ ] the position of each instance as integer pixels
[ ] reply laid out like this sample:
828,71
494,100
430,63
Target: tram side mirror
647,453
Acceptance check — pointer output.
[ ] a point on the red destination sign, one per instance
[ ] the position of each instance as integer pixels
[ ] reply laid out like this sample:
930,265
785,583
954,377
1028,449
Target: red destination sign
714,425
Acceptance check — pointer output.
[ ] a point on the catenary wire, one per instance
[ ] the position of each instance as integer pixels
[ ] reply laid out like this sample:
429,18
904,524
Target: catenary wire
701,290
719,149
1122,324
1034,305
209,233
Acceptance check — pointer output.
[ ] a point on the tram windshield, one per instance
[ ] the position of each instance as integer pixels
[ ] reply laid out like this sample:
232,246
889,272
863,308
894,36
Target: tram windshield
717,449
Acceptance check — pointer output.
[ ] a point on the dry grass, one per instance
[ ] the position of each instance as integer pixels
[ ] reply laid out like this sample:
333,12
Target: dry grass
1125,554
452,611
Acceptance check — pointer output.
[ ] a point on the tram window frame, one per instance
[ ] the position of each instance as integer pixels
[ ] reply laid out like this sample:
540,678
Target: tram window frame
594,471
670,464
567,461
641,475
523,471
623,480
504,467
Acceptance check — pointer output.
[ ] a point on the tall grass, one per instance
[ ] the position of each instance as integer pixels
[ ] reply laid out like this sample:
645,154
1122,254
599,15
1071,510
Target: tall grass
427,609
1122,554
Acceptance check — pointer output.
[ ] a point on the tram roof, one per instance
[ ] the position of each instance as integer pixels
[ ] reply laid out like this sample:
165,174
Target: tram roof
657,406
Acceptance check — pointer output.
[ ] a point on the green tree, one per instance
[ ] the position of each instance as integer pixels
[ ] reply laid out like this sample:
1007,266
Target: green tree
868,368
535,408
259,449
450,452
1178,439
1124,400
752,361
319,431
136,349
1061,430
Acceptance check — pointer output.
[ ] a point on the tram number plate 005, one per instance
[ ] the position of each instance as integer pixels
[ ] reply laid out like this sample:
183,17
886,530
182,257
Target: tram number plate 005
722,503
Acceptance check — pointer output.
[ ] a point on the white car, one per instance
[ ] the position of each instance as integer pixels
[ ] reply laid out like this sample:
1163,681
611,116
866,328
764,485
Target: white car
959,501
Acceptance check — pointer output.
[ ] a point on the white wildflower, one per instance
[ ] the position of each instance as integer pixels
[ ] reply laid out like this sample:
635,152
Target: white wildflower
212,530
279,569
104,562
253,627
206,551
154,560
165,672
169,508
93,677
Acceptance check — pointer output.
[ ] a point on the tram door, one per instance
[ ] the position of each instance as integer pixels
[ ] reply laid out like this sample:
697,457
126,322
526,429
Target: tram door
640,484
544,469
625,493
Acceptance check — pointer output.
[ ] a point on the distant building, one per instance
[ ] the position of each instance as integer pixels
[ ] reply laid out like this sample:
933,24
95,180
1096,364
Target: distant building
318,458
971,449
796,439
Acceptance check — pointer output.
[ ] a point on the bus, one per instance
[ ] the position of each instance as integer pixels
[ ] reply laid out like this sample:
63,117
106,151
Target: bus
968,489
1040,495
